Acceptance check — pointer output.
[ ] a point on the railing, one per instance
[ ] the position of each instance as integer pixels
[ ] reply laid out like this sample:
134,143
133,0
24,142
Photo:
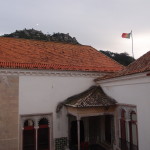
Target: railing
125,145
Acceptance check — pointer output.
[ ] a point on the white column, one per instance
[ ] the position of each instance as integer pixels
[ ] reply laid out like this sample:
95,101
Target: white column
78,127
117,128
115,142
50,137
127,131
36,138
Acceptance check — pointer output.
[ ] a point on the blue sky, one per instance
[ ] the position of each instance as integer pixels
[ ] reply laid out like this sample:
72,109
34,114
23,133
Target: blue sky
98,23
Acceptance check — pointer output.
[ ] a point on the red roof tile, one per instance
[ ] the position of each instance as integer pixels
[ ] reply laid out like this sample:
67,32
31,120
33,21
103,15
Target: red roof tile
140,65
32,54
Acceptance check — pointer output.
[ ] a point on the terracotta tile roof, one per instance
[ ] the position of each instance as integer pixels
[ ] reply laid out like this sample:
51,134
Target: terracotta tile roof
140,65
32,54
92,97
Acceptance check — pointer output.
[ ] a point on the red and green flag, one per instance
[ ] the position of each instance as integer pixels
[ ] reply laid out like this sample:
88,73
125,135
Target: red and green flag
126,35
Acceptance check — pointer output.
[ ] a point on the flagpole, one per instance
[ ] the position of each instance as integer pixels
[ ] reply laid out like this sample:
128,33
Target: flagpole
132,43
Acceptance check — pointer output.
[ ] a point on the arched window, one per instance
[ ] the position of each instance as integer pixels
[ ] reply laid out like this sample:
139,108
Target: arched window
133,131
123,141
43,121
29,135
43,135
28,124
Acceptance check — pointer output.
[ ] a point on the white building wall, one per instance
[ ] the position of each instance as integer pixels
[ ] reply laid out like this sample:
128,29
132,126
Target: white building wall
134,91
41,94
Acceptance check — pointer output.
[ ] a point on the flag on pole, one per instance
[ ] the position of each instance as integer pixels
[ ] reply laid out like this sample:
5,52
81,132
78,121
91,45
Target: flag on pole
126,35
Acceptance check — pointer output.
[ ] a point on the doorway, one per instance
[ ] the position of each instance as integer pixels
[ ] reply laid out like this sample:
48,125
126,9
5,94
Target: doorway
108,129
74,131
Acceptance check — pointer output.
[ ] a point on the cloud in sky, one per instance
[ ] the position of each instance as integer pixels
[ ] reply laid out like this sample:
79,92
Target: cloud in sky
98,23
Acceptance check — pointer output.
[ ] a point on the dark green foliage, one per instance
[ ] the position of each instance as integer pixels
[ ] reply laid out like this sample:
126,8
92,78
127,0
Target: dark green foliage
38,35
122,58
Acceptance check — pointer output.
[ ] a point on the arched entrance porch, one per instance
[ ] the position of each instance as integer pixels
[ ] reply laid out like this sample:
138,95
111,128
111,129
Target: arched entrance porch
92,129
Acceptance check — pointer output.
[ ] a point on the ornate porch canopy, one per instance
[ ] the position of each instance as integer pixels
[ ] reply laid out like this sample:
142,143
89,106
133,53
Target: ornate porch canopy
93,97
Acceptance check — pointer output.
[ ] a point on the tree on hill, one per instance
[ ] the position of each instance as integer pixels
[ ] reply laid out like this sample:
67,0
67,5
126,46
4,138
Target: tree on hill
122,58
38,35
